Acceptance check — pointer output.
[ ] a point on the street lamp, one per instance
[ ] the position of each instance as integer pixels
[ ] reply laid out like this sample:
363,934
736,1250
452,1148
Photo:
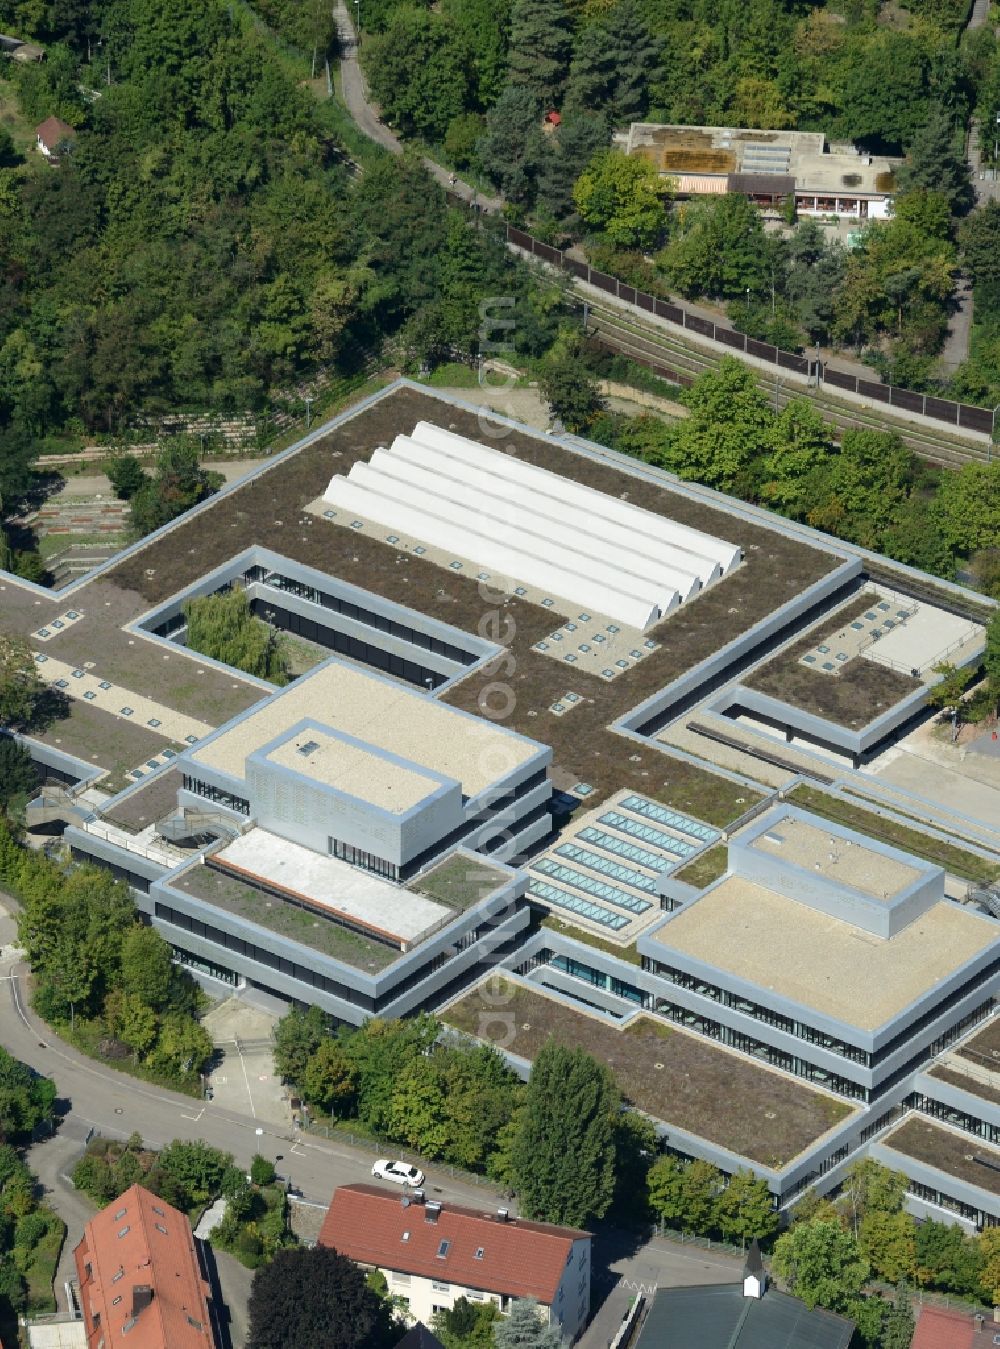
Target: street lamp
357,22
748,299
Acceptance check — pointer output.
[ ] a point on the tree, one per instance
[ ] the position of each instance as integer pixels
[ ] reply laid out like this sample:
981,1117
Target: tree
685,1194
979,237
178,484
311,1297
26,1100
564,1156
870,1187
511,147
190,1171
18,774
802,442
821,1264
717,248
21,690
936,161
571,391
222,626
466,1325
745,1209
418,72
888,1242
728,432
565,155
125,473
297,1036
525,1328
329,1078
991,656
146,966
540,45
967,505
622,196
262,1170
947,1258
989,1254
947,692
898,1326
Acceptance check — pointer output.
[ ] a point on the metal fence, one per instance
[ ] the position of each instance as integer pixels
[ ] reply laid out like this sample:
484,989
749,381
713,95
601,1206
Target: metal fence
963,416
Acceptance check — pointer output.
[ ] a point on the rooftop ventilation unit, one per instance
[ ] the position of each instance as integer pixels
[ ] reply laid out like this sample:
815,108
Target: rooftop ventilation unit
432,1211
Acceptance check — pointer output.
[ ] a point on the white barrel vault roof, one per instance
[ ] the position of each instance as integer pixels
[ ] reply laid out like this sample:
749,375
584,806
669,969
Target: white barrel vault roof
532,526
666,531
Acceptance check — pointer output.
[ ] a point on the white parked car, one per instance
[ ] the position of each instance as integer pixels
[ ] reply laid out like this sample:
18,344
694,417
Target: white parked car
398,1172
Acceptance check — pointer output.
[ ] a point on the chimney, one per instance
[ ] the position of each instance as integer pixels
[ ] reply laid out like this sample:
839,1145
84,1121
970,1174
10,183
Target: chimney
503,1215
431,1211
754,1277
418,1196
142,1296
979,1320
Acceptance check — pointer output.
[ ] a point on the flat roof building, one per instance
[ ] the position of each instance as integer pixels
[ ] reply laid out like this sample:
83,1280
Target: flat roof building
769,167
141,1278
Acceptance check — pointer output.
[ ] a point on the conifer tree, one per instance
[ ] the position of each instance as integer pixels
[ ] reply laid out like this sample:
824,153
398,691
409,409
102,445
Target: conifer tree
540,47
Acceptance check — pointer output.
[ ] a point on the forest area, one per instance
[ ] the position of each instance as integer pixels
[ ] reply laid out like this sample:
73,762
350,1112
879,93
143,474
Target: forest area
217,235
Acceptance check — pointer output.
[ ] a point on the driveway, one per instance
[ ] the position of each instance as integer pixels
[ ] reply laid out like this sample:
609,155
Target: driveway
243,1079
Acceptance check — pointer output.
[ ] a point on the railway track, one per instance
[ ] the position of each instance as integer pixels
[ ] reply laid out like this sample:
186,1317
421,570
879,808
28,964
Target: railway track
674,356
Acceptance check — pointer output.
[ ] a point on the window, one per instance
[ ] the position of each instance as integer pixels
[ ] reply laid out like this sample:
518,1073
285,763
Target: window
120,1214
443,1249
115,1300
158,1211
405,1236
160,1228
437,1307
441,1287
403,1280
480,1252
124,1232
128,1325
119,1275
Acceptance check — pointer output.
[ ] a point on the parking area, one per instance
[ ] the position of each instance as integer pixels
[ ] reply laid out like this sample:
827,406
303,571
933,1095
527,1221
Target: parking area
243,1078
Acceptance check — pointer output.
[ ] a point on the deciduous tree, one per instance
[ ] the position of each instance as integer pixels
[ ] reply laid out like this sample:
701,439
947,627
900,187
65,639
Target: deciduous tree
821,1264
312,1297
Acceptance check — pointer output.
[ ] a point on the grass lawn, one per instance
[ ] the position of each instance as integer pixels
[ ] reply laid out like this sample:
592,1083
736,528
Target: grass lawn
677,1077
706,868
459,882
287,920
452,375
948,855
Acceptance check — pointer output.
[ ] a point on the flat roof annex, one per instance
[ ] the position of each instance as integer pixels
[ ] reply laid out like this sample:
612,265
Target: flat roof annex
821,963
480,1250
837,857
337,761
383,713
331,886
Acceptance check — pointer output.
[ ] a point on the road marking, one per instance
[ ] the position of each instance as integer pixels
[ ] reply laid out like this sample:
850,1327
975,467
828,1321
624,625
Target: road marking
246,1078
195,1118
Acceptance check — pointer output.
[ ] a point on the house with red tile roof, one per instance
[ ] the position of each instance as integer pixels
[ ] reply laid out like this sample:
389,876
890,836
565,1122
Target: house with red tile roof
141,1279
433,1253
52,136
938,1328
